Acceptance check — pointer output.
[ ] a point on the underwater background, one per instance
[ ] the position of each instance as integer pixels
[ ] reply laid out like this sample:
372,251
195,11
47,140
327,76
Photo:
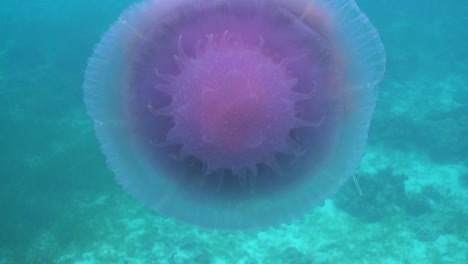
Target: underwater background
59,202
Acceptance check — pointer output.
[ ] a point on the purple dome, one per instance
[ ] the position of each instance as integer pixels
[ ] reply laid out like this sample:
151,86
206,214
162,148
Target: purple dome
235,114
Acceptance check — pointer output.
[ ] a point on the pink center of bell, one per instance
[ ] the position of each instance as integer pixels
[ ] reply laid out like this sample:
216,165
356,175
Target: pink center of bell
232,106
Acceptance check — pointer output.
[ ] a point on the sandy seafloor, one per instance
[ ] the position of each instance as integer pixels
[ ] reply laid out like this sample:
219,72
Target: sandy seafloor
60,204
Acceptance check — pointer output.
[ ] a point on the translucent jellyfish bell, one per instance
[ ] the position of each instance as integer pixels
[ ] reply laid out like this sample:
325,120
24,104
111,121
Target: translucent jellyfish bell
235,114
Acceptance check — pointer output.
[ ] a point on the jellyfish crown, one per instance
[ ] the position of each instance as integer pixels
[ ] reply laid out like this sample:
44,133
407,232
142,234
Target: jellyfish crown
235,114
232,106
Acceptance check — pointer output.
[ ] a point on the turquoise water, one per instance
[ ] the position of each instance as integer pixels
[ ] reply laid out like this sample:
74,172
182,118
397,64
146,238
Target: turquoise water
60,204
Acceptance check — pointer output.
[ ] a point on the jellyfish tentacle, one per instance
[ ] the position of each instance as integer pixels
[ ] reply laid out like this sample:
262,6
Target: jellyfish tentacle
253,177
304,123
302,96
203,177
291,147
241,176
272,163
285,61
164,111
220,177
210,45
198,49
172,134
165,88
181,58
165,77
261,44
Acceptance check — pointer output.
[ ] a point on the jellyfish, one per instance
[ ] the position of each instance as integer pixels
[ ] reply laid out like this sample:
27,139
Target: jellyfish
238,114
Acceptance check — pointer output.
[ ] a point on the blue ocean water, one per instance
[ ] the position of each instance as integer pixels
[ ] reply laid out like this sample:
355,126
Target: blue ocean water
60,204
